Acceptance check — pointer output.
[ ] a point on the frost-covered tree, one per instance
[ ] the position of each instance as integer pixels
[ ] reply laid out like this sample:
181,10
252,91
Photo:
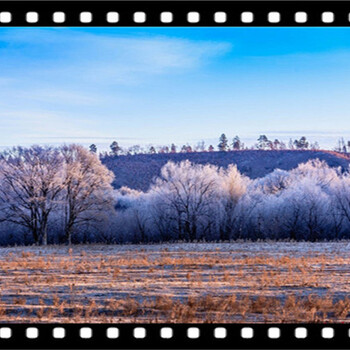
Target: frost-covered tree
134,206
297,204
314,205
30,185
274,182
318,171
87,188
231,186
187,190
341,193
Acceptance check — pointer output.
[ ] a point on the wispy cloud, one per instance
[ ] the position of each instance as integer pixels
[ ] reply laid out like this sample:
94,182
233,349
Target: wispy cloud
107,59
62,82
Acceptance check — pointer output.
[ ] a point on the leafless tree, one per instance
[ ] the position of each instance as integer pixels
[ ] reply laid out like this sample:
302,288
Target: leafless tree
31,181
342,198
232,186
87,187
188,190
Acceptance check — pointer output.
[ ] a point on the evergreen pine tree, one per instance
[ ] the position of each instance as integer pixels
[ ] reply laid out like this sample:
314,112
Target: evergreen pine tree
93,148
236,143
223,144
115,149
276,144
302,143
263,142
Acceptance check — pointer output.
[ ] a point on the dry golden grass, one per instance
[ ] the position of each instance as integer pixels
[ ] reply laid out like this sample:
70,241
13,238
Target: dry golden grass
222,283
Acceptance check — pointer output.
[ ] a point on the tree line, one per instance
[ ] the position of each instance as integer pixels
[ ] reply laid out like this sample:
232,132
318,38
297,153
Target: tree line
64,195
224,145
204,202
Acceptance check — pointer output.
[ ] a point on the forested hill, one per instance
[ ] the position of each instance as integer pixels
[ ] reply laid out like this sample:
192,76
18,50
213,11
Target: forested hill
137,171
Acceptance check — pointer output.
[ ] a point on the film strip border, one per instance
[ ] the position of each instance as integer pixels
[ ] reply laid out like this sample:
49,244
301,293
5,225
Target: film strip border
175,13
191,14
175,336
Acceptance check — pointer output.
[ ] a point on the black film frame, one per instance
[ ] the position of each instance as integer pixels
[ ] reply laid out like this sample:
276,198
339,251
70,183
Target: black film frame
180,340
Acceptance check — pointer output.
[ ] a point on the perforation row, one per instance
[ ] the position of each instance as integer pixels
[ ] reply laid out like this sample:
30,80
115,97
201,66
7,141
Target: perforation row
167,333
167,17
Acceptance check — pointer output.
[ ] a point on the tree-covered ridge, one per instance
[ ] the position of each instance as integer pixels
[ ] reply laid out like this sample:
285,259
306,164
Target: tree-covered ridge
138,171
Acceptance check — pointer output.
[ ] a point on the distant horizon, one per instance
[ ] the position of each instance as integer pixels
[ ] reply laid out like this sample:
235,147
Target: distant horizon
104,147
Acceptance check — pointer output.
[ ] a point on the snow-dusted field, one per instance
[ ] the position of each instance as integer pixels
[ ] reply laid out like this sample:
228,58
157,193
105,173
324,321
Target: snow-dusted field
185,282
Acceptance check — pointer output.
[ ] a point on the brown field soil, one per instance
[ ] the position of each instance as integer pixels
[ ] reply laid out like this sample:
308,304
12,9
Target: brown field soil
185,282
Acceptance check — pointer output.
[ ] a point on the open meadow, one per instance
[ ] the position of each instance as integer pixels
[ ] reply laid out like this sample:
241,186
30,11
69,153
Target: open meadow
184,282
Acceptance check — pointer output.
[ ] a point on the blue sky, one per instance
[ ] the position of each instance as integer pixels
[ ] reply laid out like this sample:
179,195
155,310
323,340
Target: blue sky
163,85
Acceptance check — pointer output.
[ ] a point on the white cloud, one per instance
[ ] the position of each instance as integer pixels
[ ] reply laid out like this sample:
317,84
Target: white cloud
107,59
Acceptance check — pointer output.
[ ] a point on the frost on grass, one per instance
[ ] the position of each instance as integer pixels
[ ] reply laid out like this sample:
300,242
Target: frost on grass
184,282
